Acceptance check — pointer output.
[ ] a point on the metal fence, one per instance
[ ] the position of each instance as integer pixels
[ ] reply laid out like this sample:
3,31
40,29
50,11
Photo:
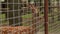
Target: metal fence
29,16
54,12
19,16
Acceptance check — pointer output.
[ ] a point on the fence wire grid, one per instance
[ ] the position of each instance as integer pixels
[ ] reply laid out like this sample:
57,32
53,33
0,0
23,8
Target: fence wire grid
27,16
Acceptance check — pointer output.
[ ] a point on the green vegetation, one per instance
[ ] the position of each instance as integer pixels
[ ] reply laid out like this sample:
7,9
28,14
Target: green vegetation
2,16
27,16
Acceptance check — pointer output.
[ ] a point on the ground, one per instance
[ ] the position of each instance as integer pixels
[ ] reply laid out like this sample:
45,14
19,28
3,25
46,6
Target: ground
49,33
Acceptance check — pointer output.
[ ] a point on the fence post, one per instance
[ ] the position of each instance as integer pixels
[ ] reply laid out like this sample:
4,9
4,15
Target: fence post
46,16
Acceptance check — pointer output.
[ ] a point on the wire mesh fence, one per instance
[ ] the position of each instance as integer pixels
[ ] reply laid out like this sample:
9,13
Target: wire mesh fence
54,12
27,16
20,16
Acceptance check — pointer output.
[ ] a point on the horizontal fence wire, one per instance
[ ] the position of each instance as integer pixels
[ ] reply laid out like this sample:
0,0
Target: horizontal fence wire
16,16
54,25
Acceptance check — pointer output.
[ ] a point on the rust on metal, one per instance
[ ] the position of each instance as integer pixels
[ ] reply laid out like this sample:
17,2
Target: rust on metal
46,15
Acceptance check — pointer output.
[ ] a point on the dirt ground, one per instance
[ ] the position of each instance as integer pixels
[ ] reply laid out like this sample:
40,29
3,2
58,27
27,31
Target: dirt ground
49,33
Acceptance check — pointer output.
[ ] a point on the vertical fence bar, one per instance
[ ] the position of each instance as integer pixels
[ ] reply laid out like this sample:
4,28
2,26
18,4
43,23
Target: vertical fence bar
46,16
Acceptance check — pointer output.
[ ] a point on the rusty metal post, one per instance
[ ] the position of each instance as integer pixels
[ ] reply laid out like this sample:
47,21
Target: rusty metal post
46,15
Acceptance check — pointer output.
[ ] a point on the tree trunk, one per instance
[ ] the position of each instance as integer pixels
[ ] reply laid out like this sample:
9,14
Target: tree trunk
11,14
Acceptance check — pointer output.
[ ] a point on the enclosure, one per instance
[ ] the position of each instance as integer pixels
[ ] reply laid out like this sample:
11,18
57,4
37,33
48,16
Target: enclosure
29,16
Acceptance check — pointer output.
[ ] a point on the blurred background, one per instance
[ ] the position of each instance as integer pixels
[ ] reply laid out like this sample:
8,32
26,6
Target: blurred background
18,13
